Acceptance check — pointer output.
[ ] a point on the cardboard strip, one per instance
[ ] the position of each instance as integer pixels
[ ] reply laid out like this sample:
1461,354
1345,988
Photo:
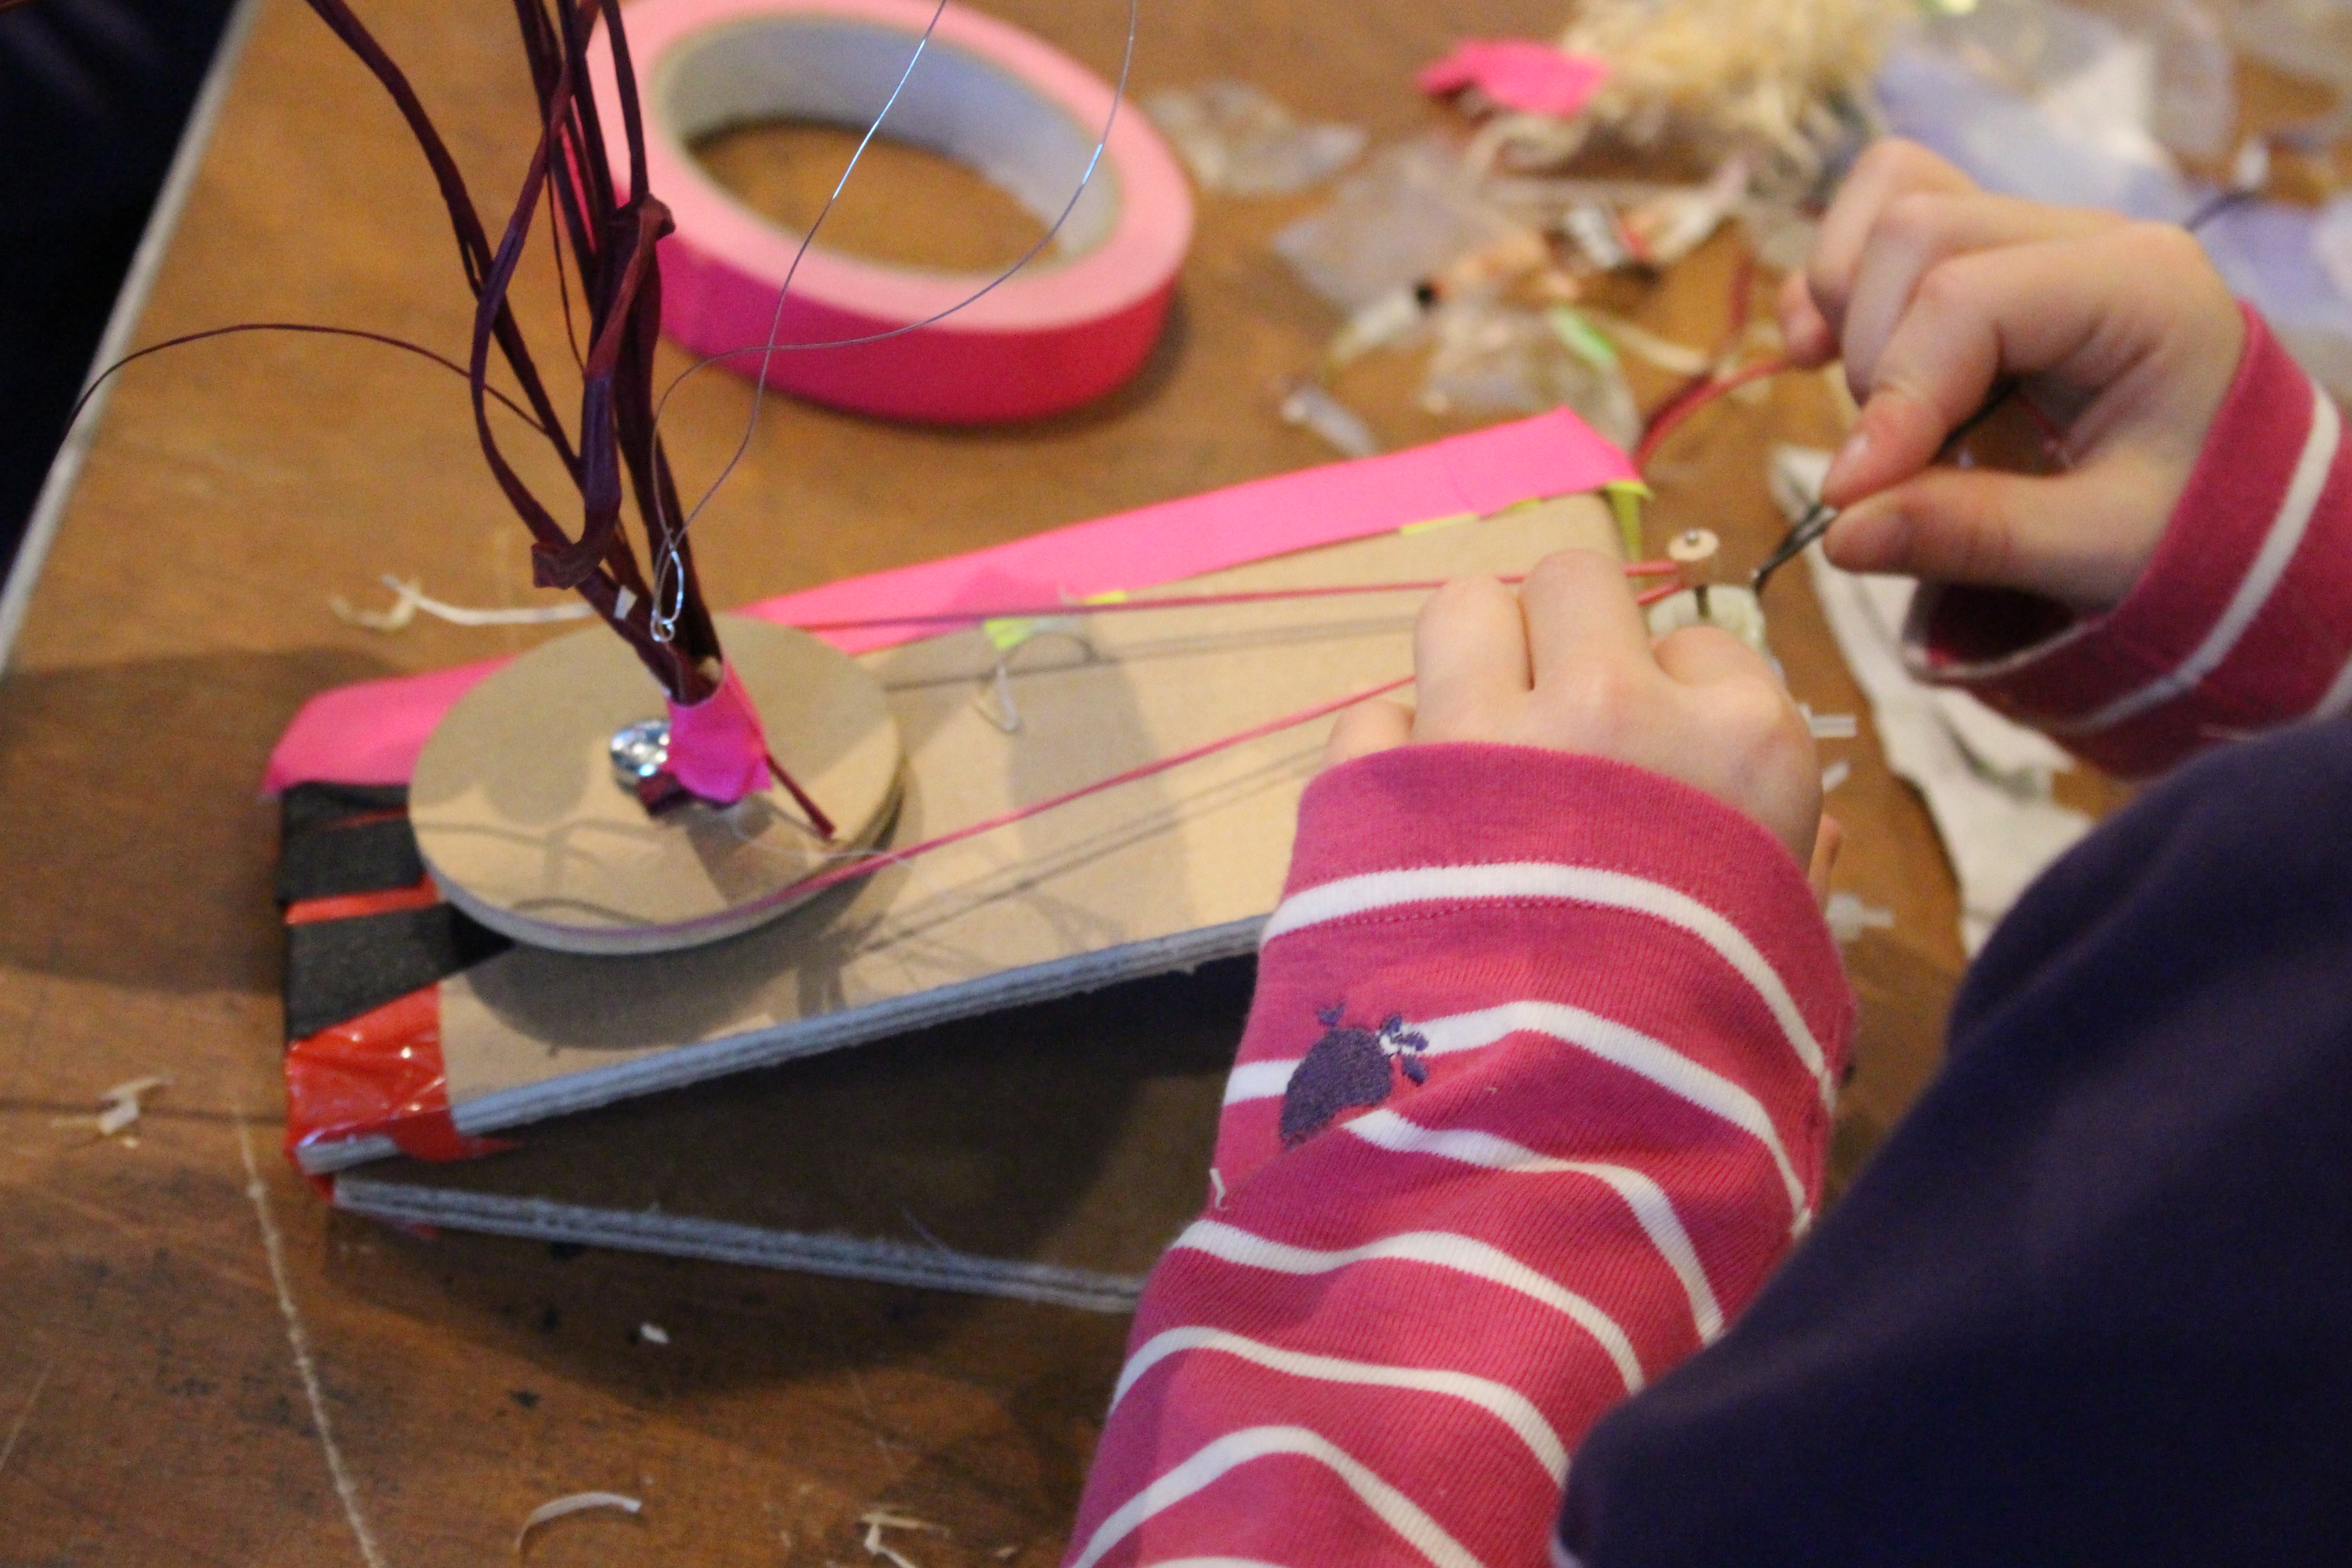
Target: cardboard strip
370,733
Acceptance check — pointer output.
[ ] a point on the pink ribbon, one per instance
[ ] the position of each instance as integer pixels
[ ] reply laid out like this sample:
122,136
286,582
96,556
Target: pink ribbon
1518,74
717,748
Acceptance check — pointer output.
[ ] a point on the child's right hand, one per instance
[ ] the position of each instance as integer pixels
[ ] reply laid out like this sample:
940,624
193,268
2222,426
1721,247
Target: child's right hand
1933,291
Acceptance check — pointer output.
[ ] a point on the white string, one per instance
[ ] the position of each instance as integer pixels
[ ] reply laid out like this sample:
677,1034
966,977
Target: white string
669,576
410,600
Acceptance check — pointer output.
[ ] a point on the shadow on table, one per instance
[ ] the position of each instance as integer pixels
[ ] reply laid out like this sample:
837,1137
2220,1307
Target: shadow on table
135,844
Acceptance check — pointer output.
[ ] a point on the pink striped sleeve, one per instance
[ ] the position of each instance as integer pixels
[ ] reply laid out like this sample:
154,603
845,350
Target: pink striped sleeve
1535,1091
2241,621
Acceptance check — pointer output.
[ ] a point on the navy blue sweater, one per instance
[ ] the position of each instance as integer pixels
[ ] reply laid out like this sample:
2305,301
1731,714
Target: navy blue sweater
2092,1303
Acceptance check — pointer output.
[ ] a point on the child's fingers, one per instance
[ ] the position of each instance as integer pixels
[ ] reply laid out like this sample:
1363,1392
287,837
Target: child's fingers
2076,537
1805,336
1368,727
1580,614
1888,171
2073,309
1469,654
1917,232
1701,656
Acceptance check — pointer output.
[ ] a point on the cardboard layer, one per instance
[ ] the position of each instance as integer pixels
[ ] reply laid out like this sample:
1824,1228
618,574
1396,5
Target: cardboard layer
518,814
1158,874
1048,1153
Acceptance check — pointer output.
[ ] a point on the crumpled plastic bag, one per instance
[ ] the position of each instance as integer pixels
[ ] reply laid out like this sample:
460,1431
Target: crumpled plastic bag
1239,141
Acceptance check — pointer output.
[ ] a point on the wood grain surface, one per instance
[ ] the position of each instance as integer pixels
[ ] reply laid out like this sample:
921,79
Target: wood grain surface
199,1363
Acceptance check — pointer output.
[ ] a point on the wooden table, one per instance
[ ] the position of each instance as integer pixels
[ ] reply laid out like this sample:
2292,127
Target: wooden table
199,1363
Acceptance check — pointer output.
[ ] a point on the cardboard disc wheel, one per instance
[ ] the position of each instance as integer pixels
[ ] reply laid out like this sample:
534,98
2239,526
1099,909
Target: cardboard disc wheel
526,826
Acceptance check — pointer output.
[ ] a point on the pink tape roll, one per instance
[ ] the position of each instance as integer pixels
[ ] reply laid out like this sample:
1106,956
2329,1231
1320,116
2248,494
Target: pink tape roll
1070,326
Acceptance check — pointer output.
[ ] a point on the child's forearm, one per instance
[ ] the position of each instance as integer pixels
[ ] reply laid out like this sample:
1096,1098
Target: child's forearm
1534,1093
2241,621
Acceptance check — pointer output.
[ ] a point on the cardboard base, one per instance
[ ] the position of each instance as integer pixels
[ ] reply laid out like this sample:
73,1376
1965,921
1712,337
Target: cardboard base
1047,1152
1158,874
526,827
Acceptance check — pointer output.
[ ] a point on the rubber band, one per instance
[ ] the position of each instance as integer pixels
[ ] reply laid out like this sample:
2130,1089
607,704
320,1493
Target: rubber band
884,859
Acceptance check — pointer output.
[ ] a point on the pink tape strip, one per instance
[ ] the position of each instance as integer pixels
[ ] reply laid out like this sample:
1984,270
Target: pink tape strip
370,733
1518,74
717,748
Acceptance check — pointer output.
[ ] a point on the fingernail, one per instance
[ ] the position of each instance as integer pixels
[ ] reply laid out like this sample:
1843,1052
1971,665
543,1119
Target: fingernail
1849,458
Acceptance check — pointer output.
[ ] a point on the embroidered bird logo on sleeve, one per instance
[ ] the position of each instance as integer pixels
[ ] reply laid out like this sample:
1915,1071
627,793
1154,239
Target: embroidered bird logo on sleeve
1349,1066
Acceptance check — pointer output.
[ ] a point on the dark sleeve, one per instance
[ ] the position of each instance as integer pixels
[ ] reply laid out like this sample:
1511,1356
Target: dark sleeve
2092,1300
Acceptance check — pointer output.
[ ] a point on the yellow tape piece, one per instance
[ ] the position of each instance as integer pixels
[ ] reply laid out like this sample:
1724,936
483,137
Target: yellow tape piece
1625,498
1010,633
1435,524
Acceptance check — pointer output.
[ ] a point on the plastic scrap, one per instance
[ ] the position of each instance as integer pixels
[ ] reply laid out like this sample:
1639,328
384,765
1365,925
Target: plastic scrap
879,1520
1410,212
1850,919
573,1502
1493,358
1982,776
1310,407
1239,141
2082,119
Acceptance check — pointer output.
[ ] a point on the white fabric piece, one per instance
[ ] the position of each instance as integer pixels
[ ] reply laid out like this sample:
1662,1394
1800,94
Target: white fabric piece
1986,781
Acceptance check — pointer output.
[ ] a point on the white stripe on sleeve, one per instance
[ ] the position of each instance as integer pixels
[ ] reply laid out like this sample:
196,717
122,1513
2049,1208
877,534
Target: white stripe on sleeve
1501,1401
1613,1042
1433,1248
1213,1461
2270,565
1652,1208
1572,884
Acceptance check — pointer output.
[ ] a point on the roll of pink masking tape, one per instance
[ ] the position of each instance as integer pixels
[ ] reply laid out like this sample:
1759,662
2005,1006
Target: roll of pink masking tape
1073,325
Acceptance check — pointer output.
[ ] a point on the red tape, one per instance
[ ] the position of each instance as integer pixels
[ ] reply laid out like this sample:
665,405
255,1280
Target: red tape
380,1073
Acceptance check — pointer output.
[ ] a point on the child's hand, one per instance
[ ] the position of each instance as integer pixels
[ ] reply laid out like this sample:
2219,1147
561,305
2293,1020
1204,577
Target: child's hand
1566,663
1933,291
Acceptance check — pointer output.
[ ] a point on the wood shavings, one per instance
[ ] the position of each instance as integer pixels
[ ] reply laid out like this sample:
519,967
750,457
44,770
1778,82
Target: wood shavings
410,600
118,1108
570,1503
122,1103
1778,77
876,1520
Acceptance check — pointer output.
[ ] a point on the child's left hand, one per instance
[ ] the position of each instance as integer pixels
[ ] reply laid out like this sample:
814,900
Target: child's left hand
1566,663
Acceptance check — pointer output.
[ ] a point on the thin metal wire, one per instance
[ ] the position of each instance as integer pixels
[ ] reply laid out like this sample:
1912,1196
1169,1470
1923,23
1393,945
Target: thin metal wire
668,573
